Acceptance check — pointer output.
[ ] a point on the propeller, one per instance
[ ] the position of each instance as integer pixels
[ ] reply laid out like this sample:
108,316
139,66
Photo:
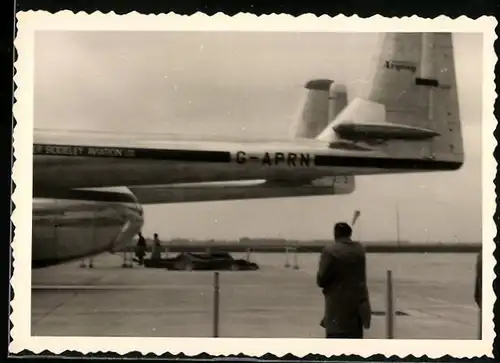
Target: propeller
355,216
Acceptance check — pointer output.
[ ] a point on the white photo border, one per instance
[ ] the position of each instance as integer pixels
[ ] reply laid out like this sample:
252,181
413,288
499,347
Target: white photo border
28,23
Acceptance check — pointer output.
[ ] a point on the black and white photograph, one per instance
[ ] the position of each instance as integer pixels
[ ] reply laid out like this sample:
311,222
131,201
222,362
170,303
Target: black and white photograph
205,179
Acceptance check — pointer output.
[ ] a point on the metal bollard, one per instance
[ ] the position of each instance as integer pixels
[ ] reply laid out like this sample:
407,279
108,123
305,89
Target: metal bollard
287,263
124,264
130,258
389,313
216,306
295,260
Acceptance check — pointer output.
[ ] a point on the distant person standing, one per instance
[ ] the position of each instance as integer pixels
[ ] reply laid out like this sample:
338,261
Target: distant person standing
140,250
342,277
156,249
478,290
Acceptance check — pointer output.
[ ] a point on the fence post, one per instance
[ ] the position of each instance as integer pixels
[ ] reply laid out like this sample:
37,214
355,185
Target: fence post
389,312
216,306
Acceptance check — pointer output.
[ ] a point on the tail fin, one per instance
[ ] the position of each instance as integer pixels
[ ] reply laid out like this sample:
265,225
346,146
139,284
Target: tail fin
410,108
324,100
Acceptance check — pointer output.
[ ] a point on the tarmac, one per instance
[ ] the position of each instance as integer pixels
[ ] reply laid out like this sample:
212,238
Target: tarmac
433,302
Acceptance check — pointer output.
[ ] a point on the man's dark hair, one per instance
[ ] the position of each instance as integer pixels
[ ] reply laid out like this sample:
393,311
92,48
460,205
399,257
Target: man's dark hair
342,230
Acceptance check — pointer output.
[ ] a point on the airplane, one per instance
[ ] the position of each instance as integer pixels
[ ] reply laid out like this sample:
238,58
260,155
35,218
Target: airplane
87,187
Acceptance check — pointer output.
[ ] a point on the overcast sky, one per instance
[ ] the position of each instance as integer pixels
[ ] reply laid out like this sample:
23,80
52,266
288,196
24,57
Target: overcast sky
250,84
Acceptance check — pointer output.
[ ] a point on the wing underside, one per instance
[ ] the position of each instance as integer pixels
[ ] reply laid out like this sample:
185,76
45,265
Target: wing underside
241,190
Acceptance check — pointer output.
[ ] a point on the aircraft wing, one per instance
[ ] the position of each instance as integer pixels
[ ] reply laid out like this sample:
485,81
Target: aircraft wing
82,160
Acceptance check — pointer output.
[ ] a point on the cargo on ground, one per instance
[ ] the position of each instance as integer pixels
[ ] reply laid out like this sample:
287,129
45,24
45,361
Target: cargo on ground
202,261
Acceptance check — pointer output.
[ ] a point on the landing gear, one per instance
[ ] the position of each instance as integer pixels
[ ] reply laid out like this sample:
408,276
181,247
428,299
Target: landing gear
90,265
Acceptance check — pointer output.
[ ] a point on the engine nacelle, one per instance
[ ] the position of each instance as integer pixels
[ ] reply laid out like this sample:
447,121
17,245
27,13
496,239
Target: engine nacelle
82,223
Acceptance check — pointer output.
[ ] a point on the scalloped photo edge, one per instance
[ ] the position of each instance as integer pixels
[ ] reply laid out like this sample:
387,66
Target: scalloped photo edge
33,21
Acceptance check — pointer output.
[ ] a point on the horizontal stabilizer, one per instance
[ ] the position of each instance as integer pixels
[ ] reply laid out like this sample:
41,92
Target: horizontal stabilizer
360,131
364,120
